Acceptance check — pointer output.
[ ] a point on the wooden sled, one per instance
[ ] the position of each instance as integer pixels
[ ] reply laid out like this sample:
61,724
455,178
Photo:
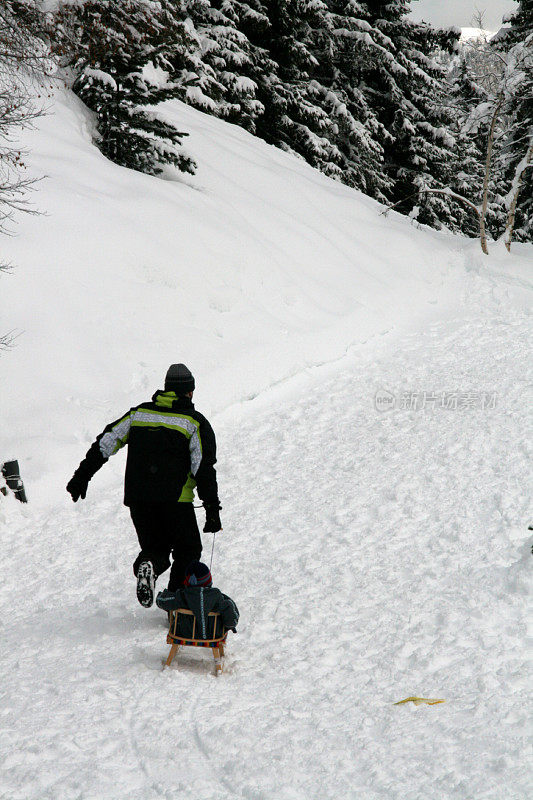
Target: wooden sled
216,641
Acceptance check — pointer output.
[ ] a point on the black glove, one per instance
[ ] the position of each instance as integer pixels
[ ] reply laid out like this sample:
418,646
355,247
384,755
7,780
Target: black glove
212,518
77,487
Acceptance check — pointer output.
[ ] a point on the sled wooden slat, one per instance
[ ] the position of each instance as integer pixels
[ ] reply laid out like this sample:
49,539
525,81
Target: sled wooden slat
216,643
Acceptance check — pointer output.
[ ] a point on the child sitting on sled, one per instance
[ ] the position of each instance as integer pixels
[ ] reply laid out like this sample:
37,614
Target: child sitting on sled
199,596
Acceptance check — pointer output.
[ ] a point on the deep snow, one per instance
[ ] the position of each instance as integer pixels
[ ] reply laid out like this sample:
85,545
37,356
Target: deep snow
373,554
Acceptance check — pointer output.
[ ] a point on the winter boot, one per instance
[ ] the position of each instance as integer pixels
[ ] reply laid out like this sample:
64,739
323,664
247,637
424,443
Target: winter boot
146,583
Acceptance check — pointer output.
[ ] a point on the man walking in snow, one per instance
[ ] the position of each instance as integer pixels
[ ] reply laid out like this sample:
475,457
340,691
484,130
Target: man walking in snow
171,451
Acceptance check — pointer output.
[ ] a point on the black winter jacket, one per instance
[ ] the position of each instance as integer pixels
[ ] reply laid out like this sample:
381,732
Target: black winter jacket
200,600
171,450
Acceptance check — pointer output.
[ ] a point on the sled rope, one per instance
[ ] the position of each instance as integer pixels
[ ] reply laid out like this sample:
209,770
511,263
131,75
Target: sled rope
212,550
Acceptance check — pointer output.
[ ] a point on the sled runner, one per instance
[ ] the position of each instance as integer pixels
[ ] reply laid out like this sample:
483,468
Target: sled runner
180,620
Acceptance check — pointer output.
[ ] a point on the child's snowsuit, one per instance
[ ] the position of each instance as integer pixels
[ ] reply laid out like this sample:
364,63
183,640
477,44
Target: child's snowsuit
200,600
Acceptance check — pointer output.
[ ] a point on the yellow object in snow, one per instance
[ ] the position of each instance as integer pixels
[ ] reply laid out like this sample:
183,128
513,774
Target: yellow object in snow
418,700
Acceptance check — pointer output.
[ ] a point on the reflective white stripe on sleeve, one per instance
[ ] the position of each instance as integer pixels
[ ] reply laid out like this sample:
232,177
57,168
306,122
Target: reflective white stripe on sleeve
195,451
115,438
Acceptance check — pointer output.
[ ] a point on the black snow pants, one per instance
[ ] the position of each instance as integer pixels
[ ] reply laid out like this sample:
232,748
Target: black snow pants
164,528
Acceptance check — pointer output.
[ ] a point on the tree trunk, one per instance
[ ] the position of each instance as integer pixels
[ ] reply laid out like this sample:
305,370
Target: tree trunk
490,142
522,166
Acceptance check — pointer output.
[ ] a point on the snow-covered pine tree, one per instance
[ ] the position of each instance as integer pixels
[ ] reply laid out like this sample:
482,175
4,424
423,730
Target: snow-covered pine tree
352,44
233,62
299,108
515,42
114,49
177,51
406,88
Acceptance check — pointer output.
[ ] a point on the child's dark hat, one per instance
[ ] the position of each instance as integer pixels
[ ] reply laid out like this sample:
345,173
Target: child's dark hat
198,574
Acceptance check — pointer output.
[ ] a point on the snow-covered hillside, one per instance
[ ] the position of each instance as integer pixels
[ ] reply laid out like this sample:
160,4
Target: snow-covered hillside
373,554
254,269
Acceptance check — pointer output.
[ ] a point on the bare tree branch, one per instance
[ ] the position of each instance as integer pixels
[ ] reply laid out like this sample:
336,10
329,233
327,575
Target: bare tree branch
445,191
20,45
7,340
24,63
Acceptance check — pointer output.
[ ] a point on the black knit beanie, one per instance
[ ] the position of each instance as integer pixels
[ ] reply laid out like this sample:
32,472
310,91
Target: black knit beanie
179,379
